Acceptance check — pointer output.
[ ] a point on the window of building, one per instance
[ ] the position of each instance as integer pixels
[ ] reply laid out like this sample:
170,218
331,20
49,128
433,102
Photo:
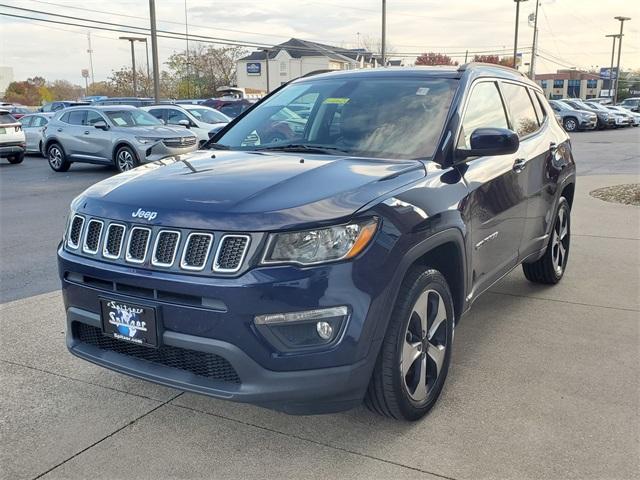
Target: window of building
543,83
592,83
558,84
573,89
284,68
523,115
484,110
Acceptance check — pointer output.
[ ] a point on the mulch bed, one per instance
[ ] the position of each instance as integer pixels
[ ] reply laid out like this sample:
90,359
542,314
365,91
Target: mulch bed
627,194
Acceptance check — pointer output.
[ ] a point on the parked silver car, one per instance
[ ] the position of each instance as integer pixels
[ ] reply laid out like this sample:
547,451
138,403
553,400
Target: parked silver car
33,126
119,135
572,118
634,118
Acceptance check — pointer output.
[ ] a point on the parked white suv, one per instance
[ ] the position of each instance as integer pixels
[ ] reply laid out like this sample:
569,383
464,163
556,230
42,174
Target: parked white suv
12,141
205,122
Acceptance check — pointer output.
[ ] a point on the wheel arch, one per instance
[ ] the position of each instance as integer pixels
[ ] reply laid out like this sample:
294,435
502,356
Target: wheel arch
118,145
568,192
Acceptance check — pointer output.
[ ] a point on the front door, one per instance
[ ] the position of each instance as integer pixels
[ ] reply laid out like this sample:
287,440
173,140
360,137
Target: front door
497,202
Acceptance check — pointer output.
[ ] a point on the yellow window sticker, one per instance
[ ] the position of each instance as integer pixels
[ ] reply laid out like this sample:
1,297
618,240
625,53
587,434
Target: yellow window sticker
335,101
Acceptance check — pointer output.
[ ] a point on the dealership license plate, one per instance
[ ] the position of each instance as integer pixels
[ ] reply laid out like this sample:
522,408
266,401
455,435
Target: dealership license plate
129,322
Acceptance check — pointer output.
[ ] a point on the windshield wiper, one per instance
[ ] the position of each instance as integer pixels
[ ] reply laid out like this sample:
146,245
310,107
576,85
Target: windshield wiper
216,146
301,147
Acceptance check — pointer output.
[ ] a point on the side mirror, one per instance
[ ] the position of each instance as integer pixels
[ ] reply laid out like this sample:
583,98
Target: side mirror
490,141
101,125
184,123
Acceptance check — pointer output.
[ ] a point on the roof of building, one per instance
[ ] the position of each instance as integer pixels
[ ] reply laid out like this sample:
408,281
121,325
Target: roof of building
298,48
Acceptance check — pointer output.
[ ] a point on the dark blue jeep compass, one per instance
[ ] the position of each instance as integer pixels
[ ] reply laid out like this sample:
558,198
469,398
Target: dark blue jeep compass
306,263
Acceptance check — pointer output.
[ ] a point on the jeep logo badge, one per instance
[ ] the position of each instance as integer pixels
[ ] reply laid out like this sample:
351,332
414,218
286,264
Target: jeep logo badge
146,215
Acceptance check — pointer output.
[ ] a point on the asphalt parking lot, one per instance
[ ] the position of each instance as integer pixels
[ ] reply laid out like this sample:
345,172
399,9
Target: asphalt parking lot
544,381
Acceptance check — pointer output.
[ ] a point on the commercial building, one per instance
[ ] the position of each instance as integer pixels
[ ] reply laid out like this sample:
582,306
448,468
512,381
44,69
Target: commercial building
295,58
6,77
570,84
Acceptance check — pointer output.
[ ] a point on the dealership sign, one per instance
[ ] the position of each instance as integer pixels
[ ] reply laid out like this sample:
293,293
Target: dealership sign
605,73
254,68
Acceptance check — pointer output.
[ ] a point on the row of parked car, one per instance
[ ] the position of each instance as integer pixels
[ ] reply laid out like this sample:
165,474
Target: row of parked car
576,114
119,135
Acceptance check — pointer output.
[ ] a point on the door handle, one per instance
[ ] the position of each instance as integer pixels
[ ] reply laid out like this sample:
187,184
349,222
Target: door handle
519,165
86,132
59,129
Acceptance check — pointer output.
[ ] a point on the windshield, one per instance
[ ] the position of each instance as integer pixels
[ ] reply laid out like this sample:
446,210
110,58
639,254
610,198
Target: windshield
209,115
563,105
132,118
375,117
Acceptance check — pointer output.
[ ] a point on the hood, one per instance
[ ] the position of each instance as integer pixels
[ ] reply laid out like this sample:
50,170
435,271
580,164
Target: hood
247,191
160,131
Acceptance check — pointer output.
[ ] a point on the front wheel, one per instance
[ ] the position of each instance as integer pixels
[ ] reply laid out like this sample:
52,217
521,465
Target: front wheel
550,268
125,159
414,359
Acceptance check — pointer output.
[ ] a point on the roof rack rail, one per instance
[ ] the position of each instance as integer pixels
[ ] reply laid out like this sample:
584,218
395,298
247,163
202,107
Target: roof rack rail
466,66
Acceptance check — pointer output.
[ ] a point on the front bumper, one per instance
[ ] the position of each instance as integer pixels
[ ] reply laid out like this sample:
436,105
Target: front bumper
321,380
158,151
588,124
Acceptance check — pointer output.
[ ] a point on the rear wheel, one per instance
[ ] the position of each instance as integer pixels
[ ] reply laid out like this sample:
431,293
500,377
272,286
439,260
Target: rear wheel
57,158
570,124
125,159
550,268
15,159
414,359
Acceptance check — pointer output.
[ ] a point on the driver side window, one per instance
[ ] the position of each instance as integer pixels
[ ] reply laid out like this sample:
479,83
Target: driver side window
175,116
484,110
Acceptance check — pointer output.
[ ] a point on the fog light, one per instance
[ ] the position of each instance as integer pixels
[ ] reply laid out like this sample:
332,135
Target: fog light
325,331
303,330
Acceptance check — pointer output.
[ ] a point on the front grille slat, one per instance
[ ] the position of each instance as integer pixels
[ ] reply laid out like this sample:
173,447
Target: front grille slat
231,252
92,236
113,241
165,249
75,231
202,364
138,244
196,251
179,142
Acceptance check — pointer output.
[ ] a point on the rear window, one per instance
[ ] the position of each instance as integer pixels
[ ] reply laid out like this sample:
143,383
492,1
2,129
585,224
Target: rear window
523,115
6,118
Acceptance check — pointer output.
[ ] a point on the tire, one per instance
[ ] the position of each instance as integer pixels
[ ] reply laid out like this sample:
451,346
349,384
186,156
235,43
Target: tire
15,159
414,358
550,268
570,124
57,159
125,159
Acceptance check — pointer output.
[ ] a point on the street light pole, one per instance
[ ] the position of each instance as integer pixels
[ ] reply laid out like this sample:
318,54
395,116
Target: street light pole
615,92
515,40
532,66
383,52
154,50
131,40
613,49
266,55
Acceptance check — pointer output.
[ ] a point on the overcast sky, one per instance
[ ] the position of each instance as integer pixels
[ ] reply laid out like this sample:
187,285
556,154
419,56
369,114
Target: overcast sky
571,31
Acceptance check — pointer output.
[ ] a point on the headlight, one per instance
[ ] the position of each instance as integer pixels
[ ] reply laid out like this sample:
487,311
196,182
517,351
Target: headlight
146,140
310,247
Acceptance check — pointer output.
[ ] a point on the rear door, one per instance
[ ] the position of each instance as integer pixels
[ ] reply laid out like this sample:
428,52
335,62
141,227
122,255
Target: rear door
537,178
497,201
72,134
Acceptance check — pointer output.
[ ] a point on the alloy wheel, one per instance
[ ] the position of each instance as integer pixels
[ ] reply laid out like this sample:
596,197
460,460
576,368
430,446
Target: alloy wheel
570,125
424,346
55,157
560,241
125,160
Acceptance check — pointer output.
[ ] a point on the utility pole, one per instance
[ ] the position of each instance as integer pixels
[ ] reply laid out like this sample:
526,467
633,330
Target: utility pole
534,47
186,30
466,55
613,50
266,56
515,40
615,92
90,52
383,53
154,50
146,47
